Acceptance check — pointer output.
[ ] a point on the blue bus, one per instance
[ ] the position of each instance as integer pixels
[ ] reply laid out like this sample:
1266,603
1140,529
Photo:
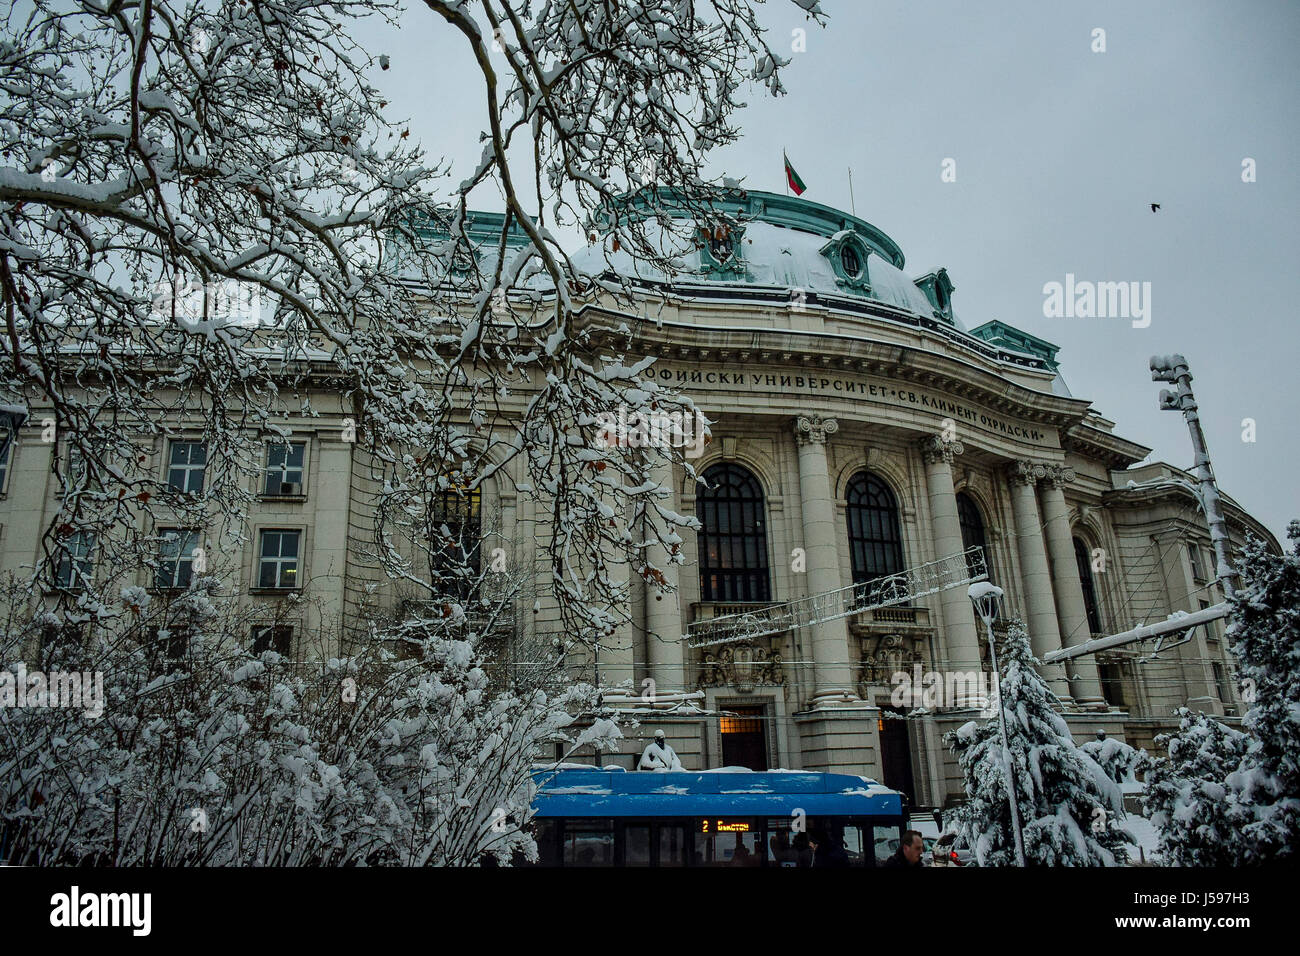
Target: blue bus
609,816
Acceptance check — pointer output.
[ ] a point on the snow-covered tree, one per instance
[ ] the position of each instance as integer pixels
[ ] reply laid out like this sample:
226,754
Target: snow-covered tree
1265,629
1186,797
208,221
204,201
1069,808
1223,797
1117,758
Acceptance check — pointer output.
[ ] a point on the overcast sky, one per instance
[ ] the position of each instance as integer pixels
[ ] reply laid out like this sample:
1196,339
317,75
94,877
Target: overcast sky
1059,152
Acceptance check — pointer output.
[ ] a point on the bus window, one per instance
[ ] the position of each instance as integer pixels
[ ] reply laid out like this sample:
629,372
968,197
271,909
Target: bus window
780,842
730,842
589,843
544,834
887,841
636,844
672,844
853,845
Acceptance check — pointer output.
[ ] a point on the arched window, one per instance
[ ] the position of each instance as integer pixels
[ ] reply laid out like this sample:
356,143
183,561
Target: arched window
732,536
454,554
1082,559
972,531
875,542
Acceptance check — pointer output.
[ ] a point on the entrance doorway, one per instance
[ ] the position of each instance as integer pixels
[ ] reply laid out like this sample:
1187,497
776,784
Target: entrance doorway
896,753
744,739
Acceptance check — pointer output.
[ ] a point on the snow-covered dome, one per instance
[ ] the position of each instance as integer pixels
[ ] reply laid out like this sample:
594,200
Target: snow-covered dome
766,241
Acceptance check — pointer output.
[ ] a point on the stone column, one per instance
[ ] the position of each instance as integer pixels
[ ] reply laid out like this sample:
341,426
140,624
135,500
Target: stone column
1085,685
961,639
665,649
617,651
1040,604
833,675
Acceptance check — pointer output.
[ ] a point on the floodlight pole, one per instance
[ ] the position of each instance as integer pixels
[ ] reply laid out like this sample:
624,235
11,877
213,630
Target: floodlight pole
986,607
1173,368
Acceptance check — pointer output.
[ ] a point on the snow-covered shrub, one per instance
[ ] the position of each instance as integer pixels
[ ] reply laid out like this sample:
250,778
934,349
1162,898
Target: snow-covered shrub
215,756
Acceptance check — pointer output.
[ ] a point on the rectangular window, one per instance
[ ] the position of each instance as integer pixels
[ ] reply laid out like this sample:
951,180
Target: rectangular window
278,559
176,557
636,844
1221,680
887,841
273,637
78,474
167,643
75,560
186,465
1210,631
285,469
589,843
729,841
7,440
1198,569
673,839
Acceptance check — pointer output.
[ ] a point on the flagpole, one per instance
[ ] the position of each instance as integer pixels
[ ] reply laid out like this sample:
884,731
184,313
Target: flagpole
785,164
852,205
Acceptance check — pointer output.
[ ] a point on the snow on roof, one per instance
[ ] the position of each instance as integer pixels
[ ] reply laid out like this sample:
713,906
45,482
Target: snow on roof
772,255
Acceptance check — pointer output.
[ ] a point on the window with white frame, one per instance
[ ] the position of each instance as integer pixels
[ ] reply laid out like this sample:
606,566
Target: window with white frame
286,466
278,561
75,560
186,466
176,549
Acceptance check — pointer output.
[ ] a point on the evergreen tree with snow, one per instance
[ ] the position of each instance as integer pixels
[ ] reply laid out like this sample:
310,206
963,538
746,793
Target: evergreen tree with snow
1120,760
1221,797
1068,805
1265,630
1186,797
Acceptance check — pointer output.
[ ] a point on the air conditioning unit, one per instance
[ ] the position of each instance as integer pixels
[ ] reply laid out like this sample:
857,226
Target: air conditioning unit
291,488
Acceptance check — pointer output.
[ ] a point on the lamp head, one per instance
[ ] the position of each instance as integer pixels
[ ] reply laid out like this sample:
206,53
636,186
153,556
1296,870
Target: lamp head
985,597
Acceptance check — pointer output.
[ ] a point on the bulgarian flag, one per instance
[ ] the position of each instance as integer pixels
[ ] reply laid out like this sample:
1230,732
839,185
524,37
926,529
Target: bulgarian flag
792,178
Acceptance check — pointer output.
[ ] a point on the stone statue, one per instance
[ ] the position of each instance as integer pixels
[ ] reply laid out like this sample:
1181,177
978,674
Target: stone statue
659,756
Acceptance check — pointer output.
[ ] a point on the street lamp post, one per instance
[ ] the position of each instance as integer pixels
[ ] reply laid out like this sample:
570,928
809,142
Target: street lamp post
985,597
1173,368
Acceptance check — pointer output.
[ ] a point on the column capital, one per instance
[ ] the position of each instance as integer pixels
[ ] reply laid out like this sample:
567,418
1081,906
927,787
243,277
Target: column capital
1058,476
1025,472
813,429
936,449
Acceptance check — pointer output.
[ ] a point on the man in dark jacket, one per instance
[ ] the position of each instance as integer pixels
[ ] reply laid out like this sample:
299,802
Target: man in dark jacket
908,855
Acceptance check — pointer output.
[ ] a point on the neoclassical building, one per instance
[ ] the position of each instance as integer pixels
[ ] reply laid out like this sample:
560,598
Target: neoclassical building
859,430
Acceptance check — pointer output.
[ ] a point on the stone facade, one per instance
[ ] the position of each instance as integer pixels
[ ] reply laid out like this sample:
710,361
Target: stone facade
808,393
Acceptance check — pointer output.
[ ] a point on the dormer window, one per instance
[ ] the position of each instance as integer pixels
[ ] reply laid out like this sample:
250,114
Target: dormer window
938,289
849,259
847,255
719,245
720,248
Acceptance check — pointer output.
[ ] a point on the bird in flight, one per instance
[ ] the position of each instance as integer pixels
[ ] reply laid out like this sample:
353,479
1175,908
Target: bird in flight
1155,206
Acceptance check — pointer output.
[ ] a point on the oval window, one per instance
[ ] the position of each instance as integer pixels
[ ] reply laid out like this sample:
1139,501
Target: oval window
849,260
